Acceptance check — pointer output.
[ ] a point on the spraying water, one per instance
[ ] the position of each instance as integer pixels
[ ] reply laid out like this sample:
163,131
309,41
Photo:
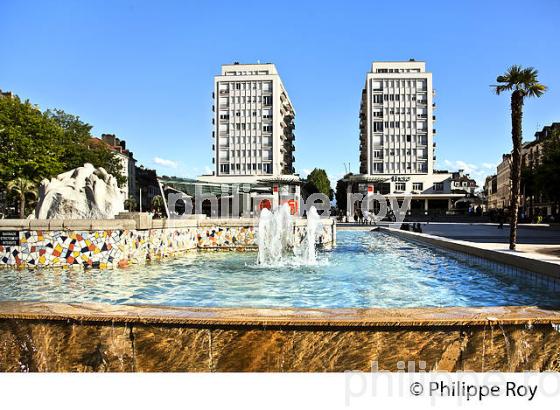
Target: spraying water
306,249
278,245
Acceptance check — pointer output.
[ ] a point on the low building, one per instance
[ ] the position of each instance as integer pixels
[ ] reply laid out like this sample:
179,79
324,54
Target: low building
462,183
127,161
531,157
491,191
503,183
147,187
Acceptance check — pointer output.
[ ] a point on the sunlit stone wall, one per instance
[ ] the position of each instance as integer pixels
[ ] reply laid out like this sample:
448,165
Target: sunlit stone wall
47,338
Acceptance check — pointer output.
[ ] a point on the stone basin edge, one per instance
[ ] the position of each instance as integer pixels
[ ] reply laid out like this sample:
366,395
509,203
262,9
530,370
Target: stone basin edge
284,317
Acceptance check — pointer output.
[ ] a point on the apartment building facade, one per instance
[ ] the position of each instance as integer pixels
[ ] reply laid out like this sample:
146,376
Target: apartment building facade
397,148
126,158
531,157
253,124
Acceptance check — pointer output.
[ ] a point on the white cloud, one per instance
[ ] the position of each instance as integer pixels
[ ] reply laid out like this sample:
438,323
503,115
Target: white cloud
166,162
456,165
477,172
305,172
488,165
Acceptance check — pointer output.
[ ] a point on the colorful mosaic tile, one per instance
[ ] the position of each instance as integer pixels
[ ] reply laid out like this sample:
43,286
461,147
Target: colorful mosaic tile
112,248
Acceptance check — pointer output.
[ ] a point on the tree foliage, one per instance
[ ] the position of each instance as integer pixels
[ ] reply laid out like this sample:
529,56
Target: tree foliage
37,145
31,142
80,147
23,188
318,182
547,174
341,193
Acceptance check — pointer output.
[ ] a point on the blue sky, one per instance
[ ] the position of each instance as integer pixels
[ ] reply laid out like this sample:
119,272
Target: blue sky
144,70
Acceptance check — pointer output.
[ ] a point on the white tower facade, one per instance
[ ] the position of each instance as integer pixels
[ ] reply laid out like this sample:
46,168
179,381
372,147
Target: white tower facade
396,120
253,123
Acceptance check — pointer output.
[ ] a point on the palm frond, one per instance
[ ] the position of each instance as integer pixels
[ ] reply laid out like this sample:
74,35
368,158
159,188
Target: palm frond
523,80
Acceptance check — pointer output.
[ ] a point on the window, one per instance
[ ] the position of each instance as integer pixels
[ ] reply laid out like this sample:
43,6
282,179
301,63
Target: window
400,186
408,137
417,186
378,167
438,186
377,126
267,100
378,98
237,86
224,168
267,128
377,154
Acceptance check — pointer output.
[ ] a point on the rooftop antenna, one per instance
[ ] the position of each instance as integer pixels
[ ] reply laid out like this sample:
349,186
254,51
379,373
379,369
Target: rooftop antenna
345,168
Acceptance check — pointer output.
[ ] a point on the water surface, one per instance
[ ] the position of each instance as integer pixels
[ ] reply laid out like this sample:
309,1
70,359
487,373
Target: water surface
364,270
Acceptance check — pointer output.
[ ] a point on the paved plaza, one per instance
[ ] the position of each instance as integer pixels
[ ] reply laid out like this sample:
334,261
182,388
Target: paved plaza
489,233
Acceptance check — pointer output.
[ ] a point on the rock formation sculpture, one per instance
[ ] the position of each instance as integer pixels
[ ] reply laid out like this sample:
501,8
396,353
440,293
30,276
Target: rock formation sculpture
82,193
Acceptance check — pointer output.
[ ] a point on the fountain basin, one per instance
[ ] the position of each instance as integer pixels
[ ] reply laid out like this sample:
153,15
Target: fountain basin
224,312
98,337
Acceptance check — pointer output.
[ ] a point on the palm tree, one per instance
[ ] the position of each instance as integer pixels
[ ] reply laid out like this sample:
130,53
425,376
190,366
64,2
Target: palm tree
523,83
22,187
130,204
158,204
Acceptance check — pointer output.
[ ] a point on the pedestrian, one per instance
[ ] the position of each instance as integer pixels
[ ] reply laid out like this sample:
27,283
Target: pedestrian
501,220
355,216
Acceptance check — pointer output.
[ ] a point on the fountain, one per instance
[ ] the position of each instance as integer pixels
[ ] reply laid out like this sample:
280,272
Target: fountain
278,244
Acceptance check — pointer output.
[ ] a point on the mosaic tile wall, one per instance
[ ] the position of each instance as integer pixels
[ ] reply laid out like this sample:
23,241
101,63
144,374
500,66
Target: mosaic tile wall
97,249
113,248
226,237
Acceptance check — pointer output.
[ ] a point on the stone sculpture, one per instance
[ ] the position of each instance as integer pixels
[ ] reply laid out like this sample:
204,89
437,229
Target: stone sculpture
82,193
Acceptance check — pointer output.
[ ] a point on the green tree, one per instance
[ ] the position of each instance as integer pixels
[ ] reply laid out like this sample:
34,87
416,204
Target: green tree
130,204
37,145
547,174
158,204
522,82
341,193
318,182
30,141
81,147
23,188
